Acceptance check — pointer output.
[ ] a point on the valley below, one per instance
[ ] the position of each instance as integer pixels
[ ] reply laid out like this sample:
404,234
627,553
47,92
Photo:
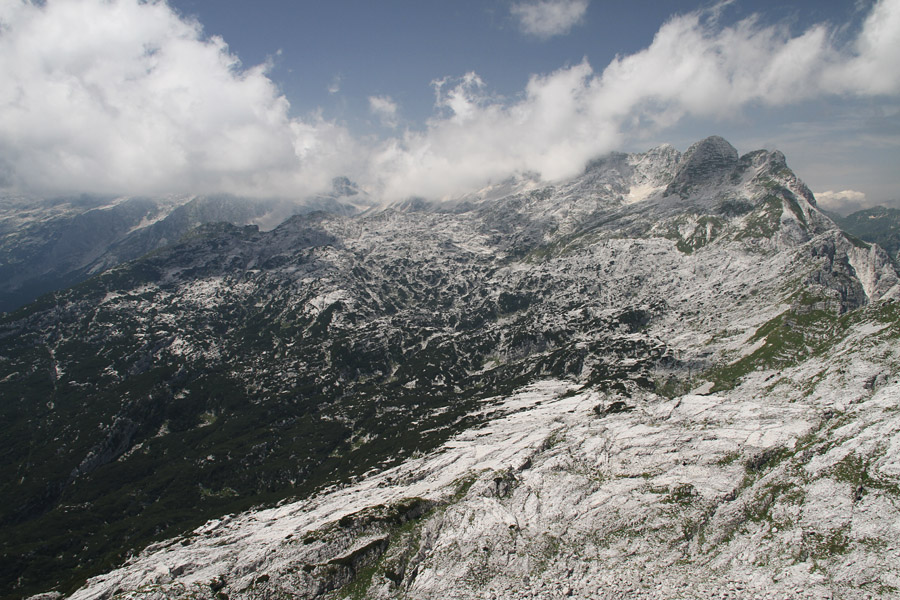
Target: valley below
670,377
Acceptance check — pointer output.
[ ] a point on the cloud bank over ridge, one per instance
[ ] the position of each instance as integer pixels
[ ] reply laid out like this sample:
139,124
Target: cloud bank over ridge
129,97
843,202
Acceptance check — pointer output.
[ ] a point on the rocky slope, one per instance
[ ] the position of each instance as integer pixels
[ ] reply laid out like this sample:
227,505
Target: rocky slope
878,225
669,377
50,244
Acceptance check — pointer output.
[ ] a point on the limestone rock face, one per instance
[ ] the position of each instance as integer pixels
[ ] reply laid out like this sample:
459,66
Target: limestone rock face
738,495
669,377
707,161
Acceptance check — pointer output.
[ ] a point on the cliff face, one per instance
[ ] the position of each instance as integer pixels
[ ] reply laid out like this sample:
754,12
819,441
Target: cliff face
669,377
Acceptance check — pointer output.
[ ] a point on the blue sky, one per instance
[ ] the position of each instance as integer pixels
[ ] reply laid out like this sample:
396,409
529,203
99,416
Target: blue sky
275,97
398,48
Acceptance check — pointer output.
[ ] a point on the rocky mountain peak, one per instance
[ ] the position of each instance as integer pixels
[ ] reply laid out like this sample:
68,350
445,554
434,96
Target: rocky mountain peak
343,186
759,159
714,150
704,162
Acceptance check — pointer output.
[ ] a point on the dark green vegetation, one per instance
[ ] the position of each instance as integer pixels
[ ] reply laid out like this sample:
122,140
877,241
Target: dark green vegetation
138,404
806,330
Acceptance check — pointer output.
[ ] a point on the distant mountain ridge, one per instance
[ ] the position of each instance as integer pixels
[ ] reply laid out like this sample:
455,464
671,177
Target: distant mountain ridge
665,377
48,245
878,225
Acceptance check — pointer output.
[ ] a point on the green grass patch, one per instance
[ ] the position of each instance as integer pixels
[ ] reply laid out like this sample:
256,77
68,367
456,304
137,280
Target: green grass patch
823,545
788,339
854,469
672,387
683,494
764,220
729,458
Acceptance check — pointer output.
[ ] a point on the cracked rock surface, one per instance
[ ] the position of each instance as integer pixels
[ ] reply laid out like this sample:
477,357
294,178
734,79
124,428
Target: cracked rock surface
670,377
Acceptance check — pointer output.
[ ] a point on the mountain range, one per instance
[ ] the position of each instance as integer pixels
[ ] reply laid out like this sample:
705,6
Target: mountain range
878,225
50,244
671,376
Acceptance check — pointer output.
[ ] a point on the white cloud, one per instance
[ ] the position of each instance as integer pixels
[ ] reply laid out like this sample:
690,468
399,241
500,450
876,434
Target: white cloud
123,95
548,18
844,202
335,86
693,68
462,100
481,138
874,65
385,109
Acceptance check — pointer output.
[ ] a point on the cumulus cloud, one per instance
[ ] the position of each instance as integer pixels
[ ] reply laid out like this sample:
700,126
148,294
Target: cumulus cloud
125,96
693,68
385,109
478,138
547,18
335,86
844,202
112,96
873,66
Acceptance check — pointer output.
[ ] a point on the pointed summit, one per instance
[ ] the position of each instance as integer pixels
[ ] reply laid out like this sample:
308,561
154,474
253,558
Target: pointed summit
712,149
704,162
342,186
